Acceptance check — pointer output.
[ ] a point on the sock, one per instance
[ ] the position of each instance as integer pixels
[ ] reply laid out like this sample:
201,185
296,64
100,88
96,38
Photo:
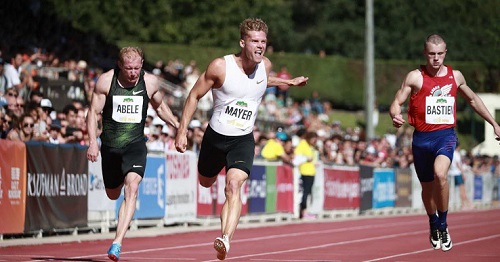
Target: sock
433,220
442,219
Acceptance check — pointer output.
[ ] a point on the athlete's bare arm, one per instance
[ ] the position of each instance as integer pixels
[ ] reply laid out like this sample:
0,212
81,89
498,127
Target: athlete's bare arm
411,84
213,77
96,105
475,102
276,81
157,102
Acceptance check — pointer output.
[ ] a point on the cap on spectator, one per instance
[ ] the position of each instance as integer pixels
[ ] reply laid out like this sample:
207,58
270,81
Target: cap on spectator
46,104
282,136
194,123
157,121
82,65
55,126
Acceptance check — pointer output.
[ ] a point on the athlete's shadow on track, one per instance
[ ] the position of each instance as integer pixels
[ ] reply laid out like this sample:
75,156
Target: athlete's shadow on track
68,259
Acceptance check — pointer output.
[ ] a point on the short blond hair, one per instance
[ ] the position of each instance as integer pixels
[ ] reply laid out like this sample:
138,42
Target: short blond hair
434,39
252,24
129,52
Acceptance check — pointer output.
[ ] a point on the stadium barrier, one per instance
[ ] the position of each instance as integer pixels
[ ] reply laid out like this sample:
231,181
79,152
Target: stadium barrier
52,188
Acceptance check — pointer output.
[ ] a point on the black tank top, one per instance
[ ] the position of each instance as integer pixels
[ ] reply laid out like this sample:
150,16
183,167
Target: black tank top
124,113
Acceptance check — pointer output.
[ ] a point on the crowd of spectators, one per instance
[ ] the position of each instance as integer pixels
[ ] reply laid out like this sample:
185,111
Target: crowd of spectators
27,115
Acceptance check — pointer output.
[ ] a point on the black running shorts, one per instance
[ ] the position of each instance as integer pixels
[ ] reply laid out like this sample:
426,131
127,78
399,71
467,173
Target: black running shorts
218,151
118,162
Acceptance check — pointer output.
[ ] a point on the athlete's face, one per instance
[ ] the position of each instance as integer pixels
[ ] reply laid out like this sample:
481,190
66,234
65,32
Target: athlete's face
254,45
131,68
435,54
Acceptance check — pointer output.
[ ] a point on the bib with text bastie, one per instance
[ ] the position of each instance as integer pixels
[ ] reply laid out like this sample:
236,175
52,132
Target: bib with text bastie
439,110
239,113
127,109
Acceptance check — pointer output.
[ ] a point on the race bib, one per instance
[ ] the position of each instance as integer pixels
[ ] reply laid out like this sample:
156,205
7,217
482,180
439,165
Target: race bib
239,114
439,110
127,109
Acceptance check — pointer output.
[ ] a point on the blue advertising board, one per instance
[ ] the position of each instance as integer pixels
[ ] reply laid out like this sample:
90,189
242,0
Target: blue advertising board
257,190
384,188
151,197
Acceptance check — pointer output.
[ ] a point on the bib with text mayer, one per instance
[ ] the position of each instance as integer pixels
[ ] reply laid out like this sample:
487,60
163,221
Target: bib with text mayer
238,113
127,109
439,110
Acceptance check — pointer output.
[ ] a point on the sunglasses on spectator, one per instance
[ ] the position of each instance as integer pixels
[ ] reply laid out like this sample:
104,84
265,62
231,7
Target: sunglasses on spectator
12,94
28,125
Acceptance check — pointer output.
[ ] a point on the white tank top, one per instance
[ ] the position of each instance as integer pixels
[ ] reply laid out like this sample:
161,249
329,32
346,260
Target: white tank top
237,100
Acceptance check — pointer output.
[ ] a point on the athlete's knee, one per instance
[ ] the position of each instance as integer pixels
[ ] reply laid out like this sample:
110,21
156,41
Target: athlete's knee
207,181
233,187
113,193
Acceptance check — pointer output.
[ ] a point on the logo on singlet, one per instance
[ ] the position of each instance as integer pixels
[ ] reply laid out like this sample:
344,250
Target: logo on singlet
137,92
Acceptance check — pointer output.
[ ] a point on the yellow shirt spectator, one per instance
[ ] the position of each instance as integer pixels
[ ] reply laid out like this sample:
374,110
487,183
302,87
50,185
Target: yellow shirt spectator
307,151
273,150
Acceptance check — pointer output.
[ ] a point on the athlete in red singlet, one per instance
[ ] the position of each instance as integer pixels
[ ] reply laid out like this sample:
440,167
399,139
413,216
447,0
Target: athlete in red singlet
432,112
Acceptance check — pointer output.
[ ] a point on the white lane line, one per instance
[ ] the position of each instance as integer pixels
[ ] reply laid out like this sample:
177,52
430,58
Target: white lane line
429,250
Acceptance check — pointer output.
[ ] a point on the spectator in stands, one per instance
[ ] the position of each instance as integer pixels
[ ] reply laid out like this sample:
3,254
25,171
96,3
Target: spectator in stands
274,149
13,71
12,103
23,131
305,159
167,139
40,131
282,91
3,79
55,136
121,95
4,125
71,132
456,171
10,121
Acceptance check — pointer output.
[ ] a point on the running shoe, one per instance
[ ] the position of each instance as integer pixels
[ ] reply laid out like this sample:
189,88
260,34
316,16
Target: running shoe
445,240
114,251
435,239
221,245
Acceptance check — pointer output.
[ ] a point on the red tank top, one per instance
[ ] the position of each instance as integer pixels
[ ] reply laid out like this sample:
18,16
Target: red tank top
434,106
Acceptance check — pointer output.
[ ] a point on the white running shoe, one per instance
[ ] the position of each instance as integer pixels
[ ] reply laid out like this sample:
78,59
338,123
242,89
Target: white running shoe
435,239
221,245
445,240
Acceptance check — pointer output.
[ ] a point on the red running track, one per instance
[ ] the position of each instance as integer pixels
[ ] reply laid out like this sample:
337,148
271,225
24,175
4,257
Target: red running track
475,235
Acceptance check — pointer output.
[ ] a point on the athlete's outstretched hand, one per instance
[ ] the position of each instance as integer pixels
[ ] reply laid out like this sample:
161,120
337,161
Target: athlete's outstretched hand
398,121
497,133
181,142
300,81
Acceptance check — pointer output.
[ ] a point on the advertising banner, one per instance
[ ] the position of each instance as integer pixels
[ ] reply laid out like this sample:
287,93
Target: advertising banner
98,200
257,189
57,186
384,188
271,188
366,182
341,187
403,187
62,92
284,188
181,187
478,188
150,201
12,186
